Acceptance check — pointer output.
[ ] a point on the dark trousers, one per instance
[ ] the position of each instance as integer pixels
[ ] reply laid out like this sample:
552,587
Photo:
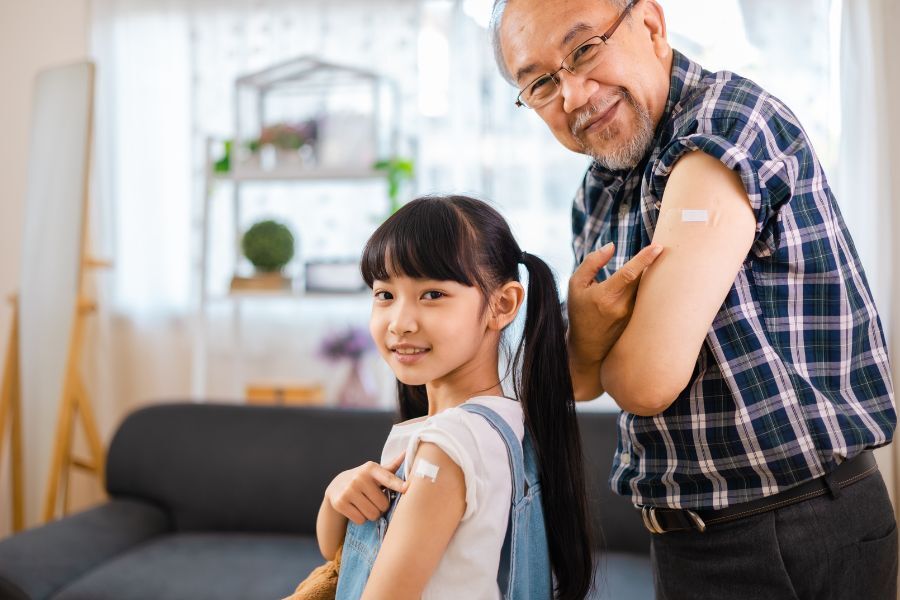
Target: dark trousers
826,548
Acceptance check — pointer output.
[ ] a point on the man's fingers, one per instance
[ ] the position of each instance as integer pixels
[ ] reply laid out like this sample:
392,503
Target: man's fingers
586,272
631,272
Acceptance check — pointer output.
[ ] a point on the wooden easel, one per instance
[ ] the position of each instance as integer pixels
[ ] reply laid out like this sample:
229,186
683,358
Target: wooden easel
11,410
75,405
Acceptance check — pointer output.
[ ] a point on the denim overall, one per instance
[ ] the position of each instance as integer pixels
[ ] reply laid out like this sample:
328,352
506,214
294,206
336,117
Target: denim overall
524,572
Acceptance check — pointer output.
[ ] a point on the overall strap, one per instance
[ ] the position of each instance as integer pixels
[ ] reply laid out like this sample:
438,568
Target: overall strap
532,469
394,497
513,447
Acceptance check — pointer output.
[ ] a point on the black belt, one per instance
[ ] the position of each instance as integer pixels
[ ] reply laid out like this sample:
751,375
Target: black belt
664,520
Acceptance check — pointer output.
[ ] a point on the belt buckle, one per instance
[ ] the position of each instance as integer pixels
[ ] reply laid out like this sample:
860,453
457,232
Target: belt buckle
651,523
648,515
698,522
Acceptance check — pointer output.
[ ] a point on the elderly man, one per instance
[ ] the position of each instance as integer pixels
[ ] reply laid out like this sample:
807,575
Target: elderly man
750,366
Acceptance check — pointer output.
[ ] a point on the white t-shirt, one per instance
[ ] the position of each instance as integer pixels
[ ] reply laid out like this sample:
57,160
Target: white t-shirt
469,566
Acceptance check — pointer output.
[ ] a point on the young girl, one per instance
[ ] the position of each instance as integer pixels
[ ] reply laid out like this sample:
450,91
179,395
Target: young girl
445,277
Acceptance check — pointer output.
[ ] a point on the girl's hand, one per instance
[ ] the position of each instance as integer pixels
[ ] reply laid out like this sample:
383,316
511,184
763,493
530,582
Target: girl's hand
359,494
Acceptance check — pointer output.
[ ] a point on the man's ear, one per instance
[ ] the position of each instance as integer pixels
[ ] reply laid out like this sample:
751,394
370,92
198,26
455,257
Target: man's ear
654,20
505,305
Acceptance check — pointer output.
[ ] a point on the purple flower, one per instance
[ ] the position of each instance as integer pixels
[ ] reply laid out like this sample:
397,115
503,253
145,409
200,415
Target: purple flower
350,343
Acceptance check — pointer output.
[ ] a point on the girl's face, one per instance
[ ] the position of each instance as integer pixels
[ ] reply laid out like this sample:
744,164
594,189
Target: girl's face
434,332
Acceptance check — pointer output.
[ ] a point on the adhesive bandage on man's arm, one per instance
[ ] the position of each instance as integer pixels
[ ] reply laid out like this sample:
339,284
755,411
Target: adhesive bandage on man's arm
694,215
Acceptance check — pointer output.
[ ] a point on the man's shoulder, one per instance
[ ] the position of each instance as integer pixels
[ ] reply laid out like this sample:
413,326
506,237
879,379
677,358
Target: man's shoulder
725,103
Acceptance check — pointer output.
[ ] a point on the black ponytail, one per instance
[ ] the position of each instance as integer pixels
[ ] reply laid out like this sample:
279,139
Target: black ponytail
464,240
544,388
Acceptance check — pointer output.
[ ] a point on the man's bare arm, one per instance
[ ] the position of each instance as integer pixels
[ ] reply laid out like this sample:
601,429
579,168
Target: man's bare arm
680,295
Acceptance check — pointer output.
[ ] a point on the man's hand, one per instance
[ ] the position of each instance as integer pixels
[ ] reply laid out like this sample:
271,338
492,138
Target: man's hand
599,312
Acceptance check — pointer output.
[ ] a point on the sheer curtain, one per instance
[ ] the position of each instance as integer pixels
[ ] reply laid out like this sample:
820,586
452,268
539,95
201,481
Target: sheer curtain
869,178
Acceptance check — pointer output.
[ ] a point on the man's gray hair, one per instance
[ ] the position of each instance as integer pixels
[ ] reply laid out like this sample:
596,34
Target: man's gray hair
494,29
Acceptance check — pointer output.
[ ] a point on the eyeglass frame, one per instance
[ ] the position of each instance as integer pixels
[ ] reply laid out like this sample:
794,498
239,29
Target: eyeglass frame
562,65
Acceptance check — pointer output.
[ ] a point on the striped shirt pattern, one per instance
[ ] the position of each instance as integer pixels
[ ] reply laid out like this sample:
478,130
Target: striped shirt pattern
793,377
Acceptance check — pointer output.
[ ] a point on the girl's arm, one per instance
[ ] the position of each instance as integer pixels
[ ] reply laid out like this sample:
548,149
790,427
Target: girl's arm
420,530
331,526
357,495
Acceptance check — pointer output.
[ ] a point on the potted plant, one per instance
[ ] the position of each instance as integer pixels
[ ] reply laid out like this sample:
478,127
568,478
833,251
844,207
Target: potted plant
287,143
269,246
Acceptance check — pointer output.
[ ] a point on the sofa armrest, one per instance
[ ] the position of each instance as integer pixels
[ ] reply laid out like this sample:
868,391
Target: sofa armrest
37,562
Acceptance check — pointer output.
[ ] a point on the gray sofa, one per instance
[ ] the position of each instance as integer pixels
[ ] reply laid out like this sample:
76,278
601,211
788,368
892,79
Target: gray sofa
219,501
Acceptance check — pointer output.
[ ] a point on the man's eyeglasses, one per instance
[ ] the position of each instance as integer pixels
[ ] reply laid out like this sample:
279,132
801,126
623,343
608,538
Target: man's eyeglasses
582,59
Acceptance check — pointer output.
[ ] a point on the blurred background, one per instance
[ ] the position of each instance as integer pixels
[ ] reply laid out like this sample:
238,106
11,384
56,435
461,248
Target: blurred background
245,149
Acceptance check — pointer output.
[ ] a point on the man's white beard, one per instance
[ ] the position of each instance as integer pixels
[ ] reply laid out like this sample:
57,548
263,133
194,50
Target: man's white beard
627,155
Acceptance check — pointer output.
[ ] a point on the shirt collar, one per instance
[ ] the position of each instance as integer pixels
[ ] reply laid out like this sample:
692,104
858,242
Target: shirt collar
684,76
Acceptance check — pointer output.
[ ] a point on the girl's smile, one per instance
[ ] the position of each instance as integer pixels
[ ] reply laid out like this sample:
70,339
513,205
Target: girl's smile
435,333
408,354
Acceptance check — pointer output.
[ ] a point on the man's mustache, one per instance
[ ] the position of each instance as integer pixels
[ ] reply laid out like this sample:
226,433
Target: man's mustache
592,110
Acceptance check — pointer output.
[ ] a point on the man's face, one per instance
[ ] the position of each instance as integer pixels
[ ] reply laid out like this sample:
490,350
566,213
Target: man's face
610,112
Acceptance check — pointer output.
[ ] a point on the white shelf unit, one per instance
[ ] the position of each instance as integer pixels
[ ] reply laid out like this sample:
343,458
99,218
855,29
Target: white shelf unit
245,171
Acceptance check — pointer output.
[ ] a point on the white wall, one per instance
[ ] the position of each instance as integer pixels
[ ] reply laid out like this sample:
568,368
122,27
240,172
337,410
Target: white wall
33,35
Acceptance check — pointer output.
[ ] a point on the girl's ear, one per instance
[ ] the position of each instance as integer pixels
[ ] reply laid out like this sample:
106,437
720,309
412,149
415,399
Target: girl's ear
505,305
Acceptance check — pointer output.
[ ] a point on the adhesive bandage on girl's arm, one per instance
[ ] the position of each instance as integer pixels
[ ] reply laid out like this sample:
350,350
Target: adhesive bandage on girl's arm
426,470
452,437
693,215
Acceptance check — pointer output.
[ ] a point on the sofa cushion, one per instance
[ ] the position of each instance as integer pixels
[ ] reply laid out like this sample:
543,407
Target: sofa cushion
37,562
240,468
247,566
200,566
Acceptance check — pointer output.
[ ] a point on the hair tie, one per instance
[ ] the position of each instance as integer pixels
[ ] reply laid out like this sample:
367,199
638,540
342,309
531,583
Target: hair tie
523,257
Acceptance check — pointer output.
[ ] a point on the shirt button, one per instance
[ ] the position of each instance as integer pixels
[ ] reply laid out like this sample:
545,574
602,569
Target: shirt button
625,459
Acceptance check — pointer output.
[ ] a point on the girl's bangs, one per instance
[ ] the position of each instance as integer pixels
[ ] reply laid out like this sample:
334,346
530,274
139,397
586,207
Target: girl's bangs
426,239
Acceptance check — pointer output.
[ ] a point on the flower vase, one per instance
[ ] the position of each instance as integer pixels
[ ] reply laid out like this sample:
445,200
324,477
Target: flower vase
358,390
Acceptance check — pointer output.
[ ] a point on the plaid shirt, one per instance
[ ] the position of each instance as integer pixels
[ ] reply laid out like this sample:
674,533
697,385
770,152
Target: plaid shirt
793,377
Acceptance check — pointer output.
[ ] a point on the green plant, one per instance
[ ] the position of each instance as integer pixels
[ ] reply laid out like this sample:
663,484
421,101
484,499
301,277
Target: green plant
398,170
223,165
268,245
